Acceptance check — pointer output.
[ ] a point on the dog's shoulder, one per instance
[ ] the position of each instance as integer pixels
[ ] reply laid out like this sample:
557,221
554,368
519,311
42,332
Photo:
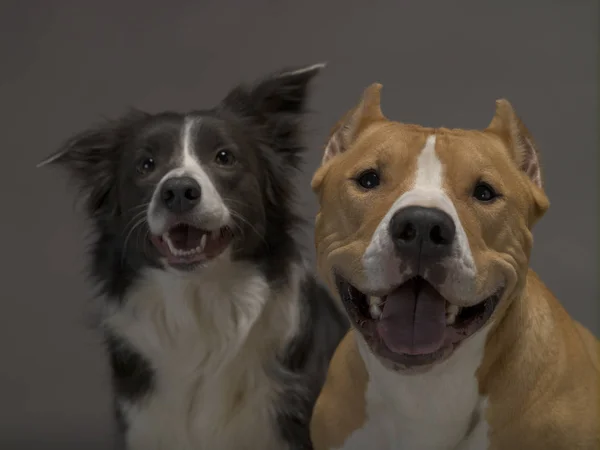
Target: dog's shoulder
341,407
584,347
558,400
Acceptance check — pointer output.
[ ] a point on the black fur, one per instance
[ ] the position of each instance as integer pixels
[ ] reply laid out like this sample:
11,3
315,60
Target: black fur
261,124
308,355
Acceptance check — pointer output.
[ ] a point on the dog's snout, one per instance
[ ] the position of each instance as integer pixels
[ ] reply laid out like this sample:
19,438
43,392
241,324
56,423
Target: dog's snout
420,232
180,194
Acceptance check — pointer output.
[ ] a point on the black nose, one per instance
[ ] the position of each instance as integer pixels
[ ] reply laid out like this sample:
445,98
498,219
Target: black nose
419,232
180,194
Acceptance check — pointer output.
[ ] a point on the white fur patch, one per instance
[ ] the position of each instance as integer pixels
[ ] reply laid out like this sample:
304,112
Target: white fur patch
382,266
210,337
428,411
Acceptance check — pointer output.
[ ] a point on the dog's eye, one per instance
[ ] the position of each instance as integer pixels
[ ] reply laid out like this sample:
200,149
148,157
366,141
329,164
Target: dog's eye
368,179
483,192
224,158
146,165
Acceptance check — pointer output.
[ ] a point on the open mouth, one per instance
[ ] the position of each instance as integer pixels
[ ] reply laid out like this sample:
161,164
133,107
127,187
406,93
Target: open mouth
184,244
413,325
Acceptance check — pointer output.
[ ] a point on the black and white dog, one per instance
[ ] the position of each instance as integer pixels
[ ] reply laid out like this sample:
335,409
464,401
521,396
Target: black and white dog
219,337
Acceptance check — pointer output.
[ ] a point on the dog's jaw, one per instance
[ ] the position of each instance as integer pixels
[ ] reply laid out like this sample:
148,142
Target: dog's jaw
369,315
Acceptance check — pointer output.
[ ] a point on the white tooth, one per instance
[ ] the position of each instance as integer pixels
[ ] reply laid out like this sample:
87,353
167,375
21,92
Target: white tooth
374,307
202,243
374,301
375,311
451,313
172,247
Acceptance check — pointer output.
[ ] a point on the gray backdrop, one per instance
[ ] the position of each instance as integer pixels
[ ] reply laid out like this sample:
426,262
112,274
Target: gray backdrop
65,64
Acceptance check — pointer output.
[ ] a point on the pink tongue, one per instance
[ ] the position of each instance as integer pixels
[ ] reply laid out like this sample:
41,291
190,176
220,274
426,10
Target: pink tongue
414,319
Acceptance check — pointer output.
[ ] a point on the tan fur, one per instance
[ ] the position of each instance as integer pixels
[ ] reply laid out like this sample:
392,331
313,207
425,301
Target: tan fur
541,373
329,428
541,369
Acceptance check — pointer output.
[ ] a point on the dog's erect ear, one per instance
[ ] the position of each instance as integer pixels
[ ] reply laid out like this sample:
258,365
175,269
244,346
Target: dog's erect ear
511,129
276,104
365,113
346,130
91,158
508,126
281,93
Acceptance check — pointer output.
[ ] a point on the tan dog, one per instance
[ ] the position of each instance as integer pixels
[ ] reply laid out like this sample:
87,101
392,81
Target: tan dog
425,235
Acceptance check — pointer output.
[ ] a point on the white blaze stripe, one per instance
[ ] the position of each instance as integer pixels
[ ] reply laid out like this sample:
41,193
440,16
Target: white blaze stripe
427,188
429,167
189,160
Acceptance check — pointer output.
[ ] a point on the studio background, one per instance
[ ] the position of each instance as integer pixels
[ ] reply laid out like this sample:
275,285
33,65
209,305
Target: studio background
67,64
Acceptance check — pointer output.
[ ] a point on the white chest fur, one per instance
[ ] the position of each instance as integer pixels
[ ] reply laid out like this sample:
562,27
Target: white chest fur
429,411
211,339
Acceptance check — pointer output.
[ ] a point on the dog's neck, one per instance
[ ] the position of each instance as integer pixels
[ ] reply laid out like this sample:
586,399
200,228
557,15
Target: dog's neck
527,335
219,308
434,408
410,391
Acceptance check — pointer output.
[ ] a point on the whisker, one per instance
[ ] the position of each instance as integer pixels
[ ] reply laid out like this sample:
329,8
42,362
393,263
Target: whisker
252,228
133,219
137,224
241,218
141,205
232,200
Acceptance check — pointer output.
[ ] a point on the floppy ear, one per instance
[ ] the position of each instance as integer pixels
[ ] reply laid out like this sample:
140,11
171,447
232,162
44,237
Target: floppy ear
276,103
91,159
508,126
346,130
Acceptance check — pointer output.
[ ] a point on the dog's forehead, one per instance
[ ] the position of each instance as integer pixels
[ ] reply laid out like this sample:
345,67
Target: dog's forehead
457,146
401,146
205,133
168,132
161,127
159,135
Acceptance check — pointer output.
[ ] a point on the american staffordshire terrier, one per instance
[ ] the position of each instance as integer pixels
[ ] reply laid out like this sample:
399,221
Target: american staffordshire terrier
425,236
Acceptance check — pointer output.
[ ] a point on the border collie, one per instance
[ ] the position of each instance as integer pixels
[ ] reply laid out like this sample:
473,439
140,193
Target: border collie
219,337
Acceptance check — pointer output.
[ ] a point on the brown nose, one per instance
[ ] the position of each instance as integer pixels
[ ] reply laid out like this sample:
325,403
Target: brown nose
422,233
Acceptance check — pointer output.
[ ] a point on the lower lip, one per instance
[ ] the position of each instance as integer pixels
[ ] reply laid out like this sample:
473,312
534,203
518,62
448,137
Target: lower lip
379,348
418,361
164,250
453,339
192,259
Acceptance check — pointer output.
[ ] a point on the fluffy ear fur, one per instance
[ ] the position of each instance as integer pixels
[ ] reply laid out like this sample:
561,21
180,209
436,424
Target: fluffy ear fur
344,132
276,103
509,127
91,158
